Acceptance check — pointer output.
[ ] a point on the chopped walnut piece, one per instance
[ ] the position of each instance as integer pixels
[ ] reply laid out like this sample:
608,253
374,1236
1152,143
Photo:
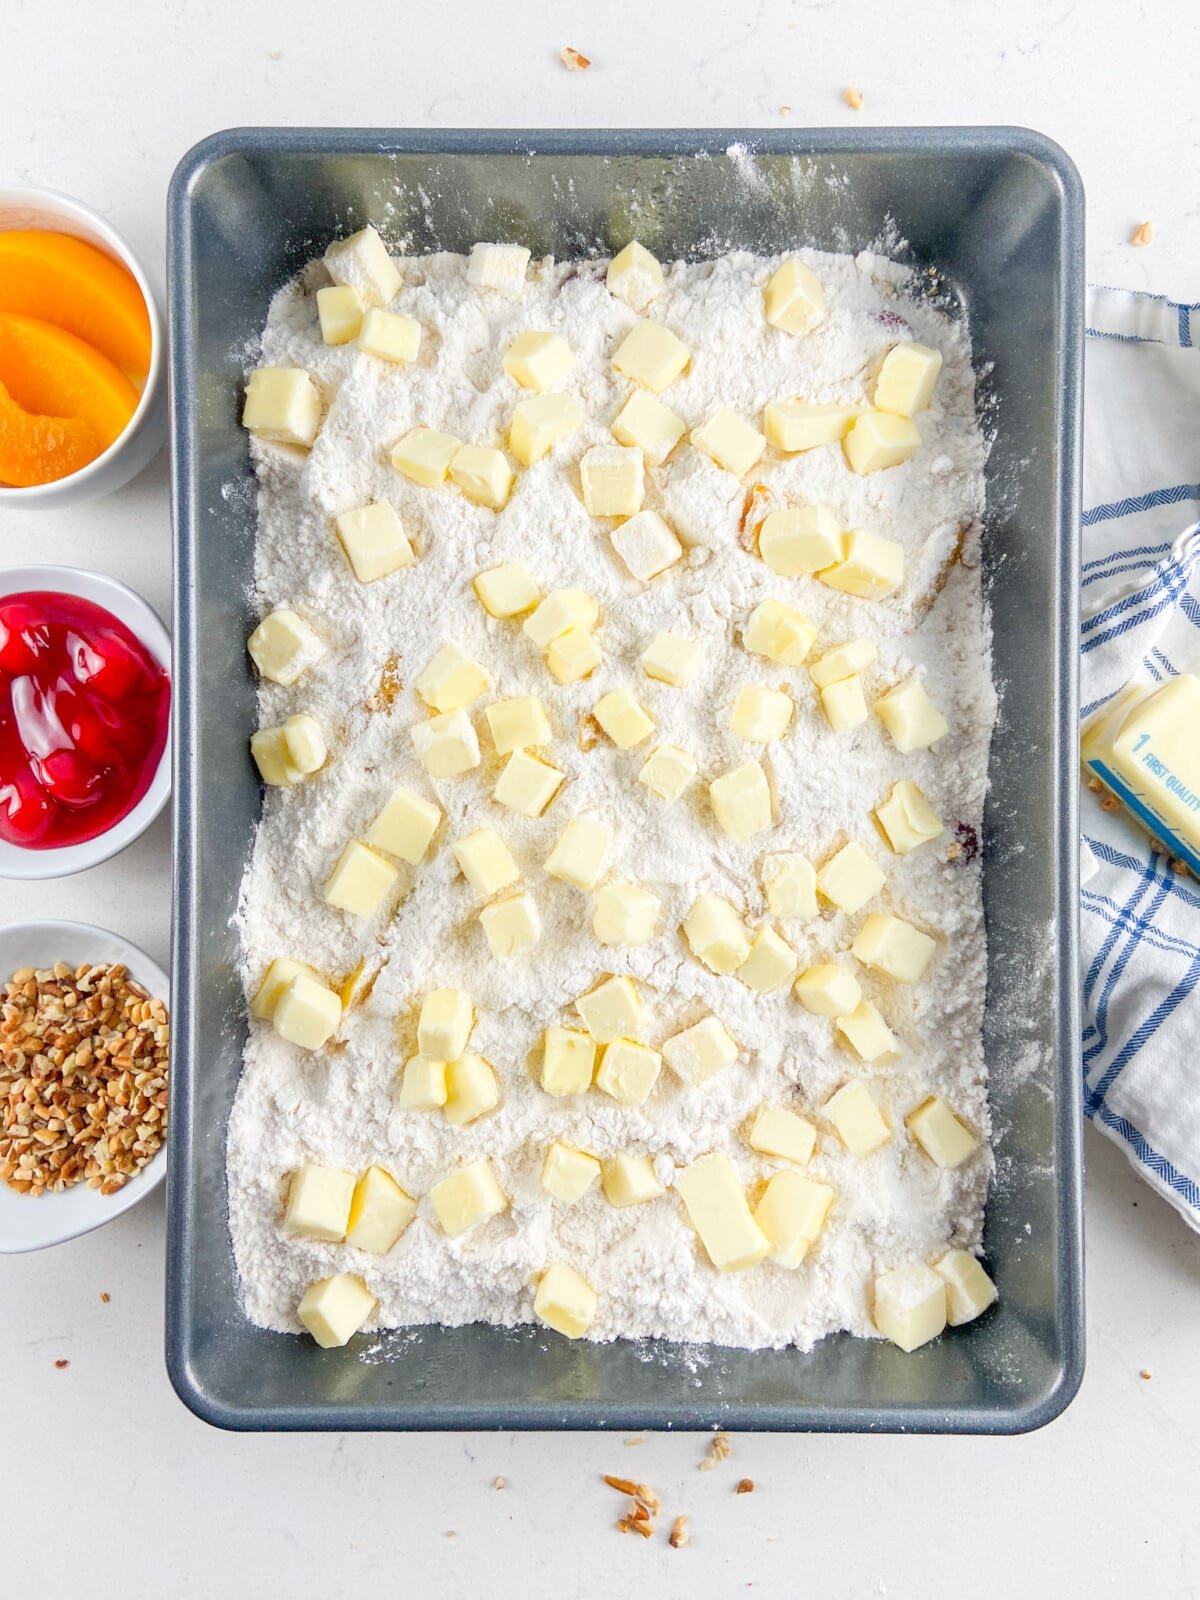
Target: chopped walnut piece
573,59
499,1483
105,1297
1142,234
853,98
744,1486
720,1446
62,1362
621,1485
679,1533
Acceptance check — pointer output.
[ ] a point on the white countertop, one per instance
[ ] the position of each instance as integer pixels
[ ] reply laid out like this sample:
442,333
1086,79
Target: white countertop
1101,1501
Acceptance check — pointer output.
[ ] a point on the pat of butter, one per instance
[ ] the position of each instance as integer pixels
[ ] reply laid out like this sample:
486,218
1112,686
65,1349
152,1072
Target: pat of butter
307,1012
969,1290
877,440
651,355
844,704
447,745
613,1010
634,275
907,378
717,1209
741,801
850,878
800,540
539,423
471,1089
362,261
644,423
467,1197
828,990
715,934
910,1305
857,1119
518,723
907,818
305,740
944,1136
334,1309
646,545
506,591
538,360
628,1071
629,1180
486,862
318,1203
779,632
379,1212
424,456
733,444
669,658
625,914
667,772
623,719
360,881
565,1301
779,1132
273,758
613,480
771,963
444,1025
389,336
374,541
697,1052
792,1213
424,1085
528,784
573,655
568,1174
511,925
405,826
483,474
451,680
796,425
499,267
843,661
275,980
558,613
580,855
894,947
283,405
794,299
340,313
911,717
283,646
761,715
870,566
868,1034
790,884
568,1061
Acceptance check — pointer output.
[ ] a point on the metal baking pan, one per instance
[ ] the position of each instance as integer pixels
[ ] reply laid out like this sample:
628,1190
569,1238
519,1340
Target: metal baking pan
999,213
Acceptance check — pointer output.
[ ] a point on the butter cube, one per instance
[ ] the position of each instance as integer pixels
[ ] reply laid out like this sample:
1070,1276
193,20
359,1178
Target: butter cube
613,1010
511,925
844,704
424,456
451,680
318,1204
283,405
558,613
697,1052
894,947
779,632
771,963
969,1290
781,1133
340,313
857,1119
518,723
715,934
273,758
275,980
305,741
910,1305
634,275
625,914
424,1085
565,1301
733,444
506,591
828,990
467,1197
906,379
868,1034
644,423
843,661
573,655
334,1309
622,719
568,1061
283,646
539,423
527,784
379,1212
790,885
362,261
850,878
629,1180
794,299
800,540
667,772
483,474
741,801
486,862
374,541
447,745
761,715
568,1174
628,1071
870,566
389,336
307,1012
471,1089
907,818
651,355
613,480
444,1025
877,440
717,1209
499,267
646,545
795,425
361,881
792,1213
669,658
911,717
943,1136
538,360
405,826
580,855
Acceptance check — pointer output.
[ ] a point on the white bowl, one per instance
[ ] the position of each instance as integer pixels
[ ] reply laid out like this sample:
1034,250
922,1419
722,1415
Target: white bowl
33,1224
144,433
59,862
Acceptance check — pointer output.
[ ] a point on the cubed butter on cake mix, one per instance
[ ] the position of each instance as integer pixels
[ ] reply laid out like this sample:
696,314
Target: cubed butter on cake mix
268,746
796,425
568,1174
612,1010
843,661
667,772
670,658
629,1179
695,1053
877,440
794,299
528,784
800,540
844,704
574,655
613,480
447,745
717,1209
307,1012
565,1301
729,441
581,853
828,990
283,646
969,1290
275,980
941,1133
790,884
374,541
762,715
283,405
850,878
741,801
444,1024
910,1305
511,925
405,826
560,612
539,423
485,861
893,947
362,262
360,881
500,268
334,1309
628,1071
318,1203
467,1197
644,423
780,632
857,1119
424,455
423,1087
870,566
778,1132
646,545
907,379
911,717
771,963
389,335
791,1213
379,1212
339,312
451,680
634,275
568,1061
907,818
625,914
624,721
483,474
471,1089
538,360
507,590
651,355
868,1035
715,934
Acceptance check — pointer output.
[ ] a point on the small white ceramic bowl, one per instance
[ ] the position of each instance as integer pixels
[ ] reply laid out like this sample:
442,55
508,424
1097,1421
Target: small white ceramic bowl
140,619
143,435
33,1224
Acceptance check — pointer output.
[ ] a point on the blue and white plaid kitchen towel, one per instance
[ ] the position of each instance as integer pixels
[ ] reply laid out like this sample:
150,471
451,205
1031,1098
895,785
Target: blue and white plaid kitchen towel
1141,615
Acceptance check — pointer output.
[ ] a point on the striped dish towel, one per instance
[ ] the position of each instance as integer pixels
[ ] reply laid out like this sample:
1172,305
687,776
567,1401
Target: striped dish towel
1141,616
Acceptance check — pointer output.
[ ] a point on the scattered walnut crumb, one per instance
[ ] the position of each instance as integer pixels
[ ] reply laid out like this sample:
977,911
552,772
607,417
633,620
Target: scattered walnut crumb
679,1534
853,98
648,1497
1095,785
621,1485
574,60
1142,234
784,111
1145,1373
450,1533
707,1464
1109,802
744,1486
632,1441
635,1525
105,1297
500,1483
62,1362
720,1446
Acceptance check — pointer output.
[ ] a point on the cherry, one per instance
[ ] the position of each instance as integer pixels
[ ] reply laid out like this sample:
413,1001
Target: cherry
70,778
26,811
23,637
104,663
